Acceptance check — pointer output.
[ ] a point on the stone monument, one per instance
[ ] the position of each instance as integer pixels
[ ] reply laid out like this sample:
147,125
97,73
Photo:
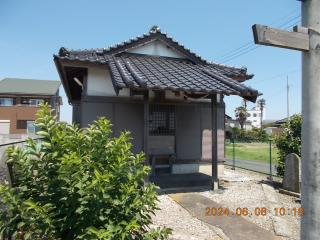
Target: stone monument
292,173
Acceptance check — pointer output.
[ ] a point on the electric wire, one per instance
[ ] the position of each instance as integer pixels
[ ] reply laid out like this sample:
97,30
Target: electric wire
275,76
225,57
251,37
231,57
251,42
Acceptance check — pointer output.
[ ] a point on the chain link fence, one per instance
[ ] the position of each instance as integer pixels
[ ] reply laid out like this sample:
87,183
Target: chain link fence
256,155
4,171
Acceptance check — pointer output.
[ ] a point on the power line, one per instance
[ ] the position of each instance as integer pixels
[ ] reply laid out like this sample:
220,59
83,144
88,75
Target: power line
251,37
275,76
230,46
231,57
285,16
289,21
281,90
237,50
242,54
223,56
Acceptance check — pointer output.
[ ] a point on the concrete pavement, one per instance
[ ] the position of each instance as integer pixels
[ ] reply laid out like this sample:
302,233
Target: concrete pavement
231,225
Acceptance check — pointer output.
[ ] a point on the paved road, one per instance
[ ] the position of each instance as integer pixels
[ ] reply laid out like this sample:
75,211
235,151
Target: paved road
253,165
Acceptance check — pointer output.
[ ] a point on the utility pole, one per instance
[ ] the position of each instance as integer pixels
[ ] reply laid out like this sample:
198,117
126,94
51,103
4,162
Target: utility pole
288,114
310,173
307,40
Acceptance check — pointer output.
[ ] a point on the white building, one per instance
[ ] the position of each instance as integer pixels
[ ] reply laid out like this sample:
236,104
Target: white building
254,115
235,123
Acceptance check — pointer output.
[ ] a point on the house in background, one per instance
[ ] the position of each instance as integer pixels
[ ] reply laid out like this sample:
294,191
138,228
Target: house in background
235,123
230,123
170,98
18,103
254,116
275,125
274,130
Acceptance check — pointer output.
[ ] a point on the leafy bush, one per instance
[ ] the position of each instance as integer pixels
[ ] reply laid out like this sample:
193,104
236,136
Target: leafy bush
236,132
289,141
255,133
80,184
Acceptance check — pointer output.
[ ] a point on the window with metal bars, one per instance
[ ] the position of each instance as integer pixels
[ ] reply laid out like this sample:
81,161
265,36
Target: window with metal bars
161,119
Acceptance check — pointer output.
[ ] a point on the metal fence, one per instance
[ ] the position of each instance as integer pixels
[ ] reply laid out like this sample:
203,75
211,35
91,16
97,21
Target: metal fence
4,168
256,155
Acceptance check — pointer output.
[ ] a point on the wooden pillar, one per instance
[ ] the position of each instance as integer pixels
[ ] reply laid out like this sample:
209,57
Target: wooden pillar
146,132
214,127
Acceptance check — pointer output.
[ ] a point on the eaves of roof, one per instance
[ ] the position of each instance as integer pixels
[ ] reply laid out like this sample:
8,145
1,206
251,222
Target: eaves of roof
98,55
153,72
164,74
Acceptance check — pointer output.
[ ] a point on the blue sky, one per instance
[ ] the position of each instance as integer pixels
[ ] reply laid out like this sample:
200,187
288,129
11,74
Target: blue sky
220,31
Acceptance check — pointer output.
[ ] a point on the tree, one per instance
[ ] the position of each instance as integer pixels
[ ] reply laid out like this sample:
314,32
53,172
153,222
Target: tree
241,115
244,103
78,184
261,103
289,141
236,132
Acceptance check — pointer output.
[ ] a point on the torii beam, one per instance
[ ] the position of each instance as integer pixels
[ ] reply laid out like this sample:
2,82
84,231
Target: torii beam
307,40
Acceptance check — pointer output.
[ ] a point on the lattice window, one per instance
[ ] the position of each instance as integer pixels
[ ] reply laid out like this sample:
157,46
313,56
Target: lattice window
161,119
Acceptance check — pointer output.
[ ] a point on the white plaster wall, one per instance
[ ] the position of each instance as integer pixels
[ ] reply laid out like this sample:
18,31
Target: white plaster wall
204,99
171,96
157,48
100,84
124,92
151,94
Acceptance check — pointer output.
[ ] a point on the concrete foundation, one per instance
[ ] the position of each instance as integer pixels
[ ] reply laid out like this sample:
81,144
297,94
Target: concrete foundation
200,167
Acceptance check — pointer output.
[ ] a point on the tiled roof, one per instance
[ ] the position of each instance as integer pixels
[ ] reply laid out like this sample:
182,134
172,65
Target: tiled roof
166,74
28,86
98,55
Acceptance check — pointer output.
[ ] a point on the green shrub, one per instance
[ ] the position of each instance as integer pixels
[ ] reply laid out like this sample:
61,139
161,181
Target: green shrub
289,141
236,132
80,184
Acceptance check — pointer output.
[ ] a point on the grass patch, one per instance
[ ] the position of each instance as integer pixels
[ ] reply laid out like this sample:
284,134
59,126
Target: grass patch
256,152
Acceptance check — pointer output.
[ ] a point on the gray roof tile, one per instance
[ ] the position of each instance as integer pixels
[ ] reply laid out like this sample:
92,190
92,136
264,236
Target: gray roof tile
96,55
29,86
159,73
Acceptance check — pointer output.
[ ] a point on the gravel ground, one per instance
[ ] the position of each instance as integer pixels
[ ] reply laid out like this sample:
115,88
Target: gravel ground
183,224
247,194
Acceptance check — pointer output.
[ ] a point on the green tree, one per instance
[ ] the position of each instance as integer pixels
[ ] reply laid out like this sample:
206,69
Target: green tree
241,115
262,104
245,103
79,184
236,132
289,141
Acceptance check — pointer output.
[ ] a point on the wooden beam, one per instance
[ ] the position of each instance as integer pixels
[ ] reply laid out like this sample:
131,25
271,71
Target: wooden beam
80,64
63,77
214,141
196,96
268,36
85,83
301,29
134,92
146,132
140,101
